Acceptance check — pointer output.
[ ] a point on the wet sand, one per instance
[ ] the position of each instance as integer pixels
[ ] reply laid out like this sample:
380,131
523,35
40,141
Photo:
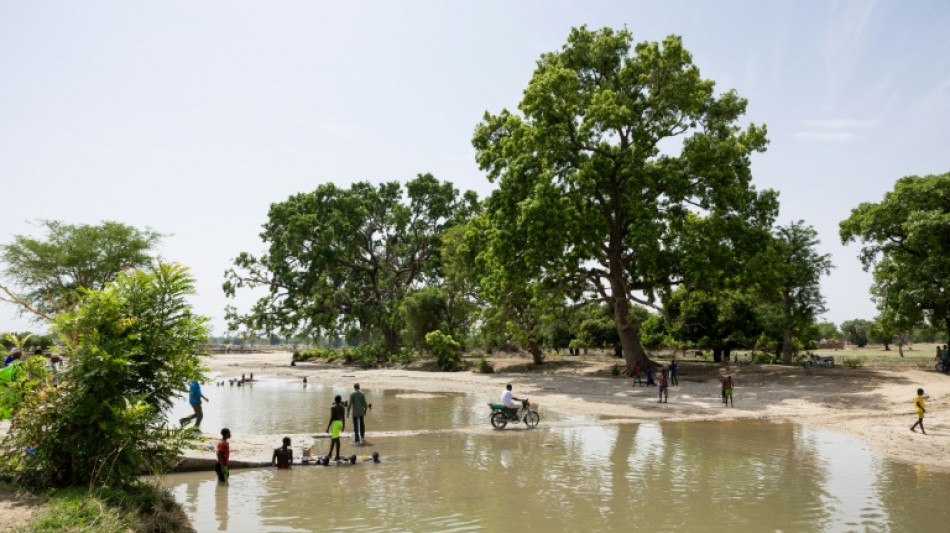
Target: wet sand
874,404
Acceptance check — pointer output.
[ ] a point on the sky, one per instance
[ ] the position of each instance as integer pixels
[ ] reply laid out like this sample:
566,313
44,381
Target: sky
193,117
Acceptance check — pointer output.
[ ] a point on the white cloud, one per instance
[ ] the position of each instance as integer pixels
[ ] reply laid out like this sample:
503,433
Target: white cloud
836,136
833,130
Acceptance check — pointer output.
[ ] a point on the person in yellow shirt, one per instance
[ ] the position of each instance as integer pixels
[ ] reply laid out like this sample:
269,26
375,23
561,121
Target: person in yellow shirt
921,409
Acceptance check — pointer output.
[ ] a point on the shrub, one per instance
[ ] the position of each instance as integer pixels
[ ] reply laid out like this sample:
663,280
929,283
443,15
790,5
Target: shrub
615,370
482,366
445,349
134,347
852,362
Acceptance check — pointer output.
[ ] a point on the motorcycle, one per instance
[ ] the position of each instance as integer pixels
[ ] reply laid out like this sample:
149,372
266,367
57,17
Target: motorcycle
500,416
827,362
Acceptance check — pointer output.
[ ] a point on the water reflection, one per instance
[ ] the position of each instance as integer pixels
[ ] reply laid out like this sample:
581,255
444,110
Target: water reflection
687,477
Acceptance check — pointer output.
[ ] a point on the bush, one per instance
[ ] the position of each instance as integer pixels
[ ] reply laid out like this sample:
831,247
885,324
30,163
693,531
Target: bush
482,366
445,349
852,362
141,507
615,370
367,355
134,348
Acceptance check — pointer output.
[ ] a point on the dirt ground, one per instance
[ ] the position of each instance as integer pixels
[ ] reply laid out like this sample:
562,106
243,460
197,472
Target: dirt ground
874,404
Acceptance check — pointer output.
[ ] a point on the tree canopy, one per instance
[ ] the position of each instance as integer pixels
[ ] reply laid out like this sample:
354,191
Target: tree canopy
905,241
586,189
48,273
342,260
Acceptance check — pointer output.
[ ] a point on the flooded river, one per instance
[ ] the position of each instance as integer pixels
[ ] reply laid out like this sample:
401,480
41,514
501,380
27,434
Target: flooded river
577,475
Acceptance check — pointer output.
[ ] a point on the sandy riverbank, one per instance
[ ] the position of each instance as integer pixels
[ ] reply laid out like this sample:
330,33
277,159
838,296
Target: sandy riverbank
874,404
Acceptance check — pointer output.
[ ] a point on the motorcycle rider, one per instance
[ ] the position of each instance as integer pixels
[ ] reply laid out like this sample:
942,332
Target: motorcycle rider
506,400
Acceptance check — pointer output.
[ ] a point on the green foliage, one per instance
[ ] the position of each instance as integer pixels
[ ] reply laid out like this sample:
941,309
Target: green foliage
827,330
366,355
615,370
791,283
133,347
141,507
445,349
343,260
587,201
720,321
857,331
51,271
482,366
423,311
904,243
852,362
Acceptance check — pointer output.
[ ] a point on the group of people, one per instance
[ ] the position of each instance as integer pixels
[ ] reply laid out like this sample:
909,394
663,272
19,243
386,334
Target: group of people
283,457
943,356
667,377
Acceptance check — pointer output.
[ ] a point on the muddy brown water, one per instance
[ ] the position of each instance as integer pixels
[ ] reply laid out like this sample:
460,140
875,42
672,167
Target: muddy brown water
576,475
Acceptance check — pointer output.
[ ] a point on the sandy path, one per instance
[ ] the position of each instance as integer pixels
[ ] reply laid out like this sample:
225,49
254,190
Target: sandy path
875,405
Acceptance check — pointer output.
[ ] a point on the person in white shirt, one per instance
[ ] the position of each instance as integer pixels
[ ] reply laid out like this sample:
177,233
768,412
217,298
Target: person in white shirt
507,397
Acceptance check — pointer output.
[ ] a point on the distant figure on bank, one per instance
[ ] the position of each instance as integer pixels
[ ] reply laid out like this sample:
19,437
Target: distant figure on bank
336,425
357,406
636,374
727,386
223,451
921,408
194,399
284,456
650,382
664,386
673,380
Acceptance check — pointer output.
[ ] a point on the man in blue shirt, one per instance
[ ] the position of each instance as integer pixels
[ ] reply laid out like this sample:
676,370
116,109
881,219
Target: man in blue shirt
194,398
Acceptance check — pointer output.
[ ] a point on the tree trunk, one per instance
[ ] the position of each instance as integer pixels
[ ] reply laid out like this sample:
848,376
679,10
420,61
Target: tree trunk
887,346
717,355
900,349
726,352
534,348
787,346
618,351
390,340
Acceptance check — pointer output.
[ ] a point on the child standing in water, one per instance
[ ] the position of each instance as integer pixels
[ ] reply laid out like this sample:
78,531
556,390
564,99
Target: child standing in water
921,409
223,451
336,426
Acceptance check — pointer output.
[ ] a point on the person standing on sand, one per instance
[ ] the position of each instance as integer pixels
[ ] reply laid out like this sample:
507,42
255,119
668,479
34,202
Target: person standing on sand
223,452
727,392
921,409
336,425
650,382
664,387
673,380
194,399
357,406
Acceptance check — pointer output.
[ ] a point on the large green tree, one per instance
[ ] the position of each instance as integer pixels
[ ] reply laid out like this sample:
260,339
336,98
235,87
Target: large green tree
623,170
721,321
905,241
46,274
793,281
341,261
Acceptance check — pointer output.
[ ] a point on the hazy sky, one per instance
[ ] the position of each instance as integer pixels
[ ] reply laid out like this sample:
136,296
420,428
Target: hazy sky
191,117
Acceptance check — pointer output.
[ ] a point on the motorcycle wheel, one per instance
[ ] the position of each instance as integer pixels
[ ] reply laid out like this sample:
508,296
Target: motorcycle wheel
532,418
499,420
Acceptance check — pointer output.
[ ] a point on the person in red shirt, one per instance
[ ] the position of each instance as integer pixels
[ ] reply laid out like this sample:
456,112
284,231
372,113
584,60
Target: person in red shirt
223,451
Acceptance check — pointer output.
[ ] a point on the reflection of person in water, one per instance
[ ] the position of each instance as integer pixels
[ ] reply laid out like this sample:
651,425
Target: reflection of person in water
221,506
